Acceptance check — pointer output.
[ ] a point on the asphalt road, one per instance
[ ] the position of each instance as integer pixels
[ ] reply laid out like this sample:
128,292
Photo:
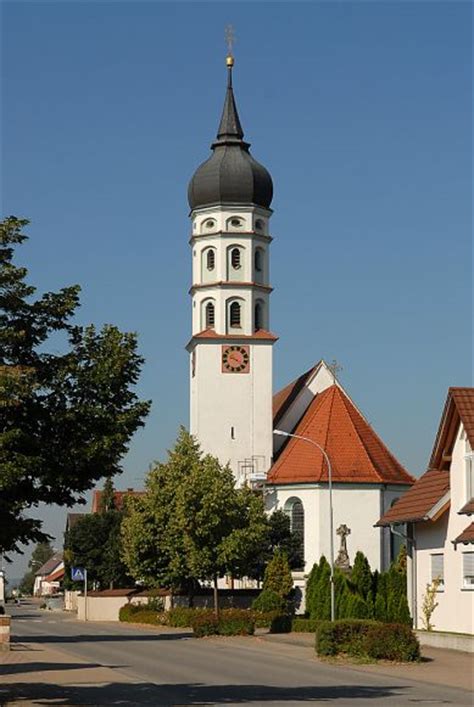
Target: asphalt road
164,669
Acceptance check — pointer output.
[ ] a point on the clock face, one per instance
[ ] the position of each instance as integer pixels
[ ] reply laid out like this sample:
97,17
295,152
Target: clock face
235,359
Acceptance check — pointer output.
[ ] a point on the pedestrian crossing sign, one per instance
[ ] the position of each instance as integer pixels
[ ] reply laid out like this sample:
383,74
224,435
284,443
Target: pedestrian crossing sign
77,574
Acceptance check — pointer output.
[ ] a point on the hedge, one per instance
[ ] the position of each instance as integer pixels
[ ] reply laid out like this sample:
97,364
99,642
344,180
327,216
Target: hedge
367,638
281,624
269,600
140,615
302,625
232,622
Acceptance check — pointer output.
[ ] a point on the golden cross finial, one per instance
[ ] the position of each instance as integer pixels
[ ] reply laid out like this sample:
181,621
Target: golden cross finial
230,41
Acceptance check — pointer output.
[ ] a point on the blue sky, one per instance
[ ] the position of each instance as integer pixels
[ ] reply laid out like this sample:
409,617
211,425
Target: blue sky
362,113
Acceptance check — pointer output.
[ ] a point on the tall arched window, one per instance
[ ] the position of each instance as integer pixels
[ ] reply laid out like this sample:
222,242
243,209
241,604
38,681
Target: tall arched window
210,259
235,258
234,314
258,319
258,260
294,509
210,315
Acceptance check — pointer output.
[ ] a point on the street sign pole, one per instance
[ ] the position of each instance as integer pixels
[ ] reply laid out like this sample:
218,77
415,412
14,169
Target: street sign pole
85,595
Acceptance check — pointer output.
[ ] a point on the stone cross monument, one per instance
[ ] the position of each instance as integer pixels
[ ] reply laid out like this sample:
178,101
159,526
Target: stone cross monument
342,560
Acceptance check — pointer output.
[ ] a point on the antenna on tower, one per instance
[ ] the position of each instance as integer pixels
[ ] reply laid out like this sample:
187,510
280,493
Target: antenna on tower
230,41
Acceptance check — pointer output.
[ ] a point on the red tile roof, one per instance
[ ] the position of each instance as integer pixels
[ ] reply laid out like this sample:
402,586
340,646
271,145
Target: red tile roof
357,454
55,576
284,397
50,564
467,535
468,509
419,502
459,407
119,497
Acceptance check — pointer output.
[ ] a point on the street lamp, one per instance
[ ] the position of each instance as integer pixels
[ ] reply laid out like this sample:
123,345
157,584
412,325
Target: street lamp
282,433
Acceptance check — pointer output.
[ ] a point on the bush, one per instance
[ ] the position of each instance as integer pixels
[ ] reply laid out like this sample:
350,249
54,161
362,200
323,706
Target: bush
281,624
342,636
278,576
263,619
232,622
269,600
300,625
370,639
392,642
183,616
140,614
205,625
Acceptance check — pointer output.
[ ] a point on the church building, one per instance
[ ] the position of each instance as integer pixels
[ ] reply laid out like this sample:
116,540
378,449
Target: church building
233,411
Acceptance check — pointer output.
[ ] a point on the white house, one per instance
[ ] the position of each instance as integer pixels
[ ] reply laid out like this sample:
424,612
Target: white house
49,576
366,476
436,510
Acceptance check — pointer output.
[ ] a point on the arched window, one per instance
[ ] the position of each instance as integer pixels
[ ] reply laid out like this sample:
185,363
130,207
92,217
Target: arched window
294,509
258,260
210,259
235,258
259,225
210,315
234,314
258,316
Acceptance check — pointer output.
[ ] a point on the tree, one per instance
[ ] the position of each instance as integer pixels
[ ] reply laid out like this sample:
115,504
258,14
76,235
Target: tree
94,542
222,527
67,418
279,537
40,555
107,498
361,575
153,545
278,577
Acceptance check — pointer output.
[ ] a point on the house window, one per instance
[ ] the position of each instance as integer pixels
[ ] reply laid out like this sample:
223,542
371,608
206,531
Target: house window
437,569
234,314
235,258
469,477
210,315
468,570
211,259
295,510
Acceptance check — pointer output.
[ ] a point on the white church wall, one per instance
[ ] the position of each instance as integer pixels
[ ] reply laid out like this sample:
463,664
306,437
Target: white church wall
358,506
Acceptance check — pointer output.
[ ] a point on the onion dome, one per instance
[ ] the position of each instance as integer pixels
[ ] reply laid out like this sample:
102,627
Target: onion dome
231,175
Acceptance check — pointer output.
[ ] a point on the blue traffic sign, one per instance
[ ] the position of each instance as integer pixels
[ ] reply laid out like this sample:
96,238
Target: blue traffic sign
77,574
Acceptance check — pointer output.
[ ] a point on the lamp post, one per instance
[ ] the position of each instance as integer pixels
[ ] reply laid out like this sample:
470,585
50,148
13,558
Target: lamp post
282,433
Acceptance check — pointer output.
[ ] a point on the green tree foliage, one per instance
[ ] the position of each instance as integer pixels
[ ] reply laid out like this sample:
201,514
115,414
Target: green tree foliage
278,537
361,575
278,577
94,542
41,554
153,546
107,498
222,527
67,418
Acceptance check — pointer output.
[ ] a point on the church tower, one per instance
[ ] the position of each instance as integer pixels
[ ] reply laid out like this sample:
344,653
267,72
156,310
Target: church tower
231,345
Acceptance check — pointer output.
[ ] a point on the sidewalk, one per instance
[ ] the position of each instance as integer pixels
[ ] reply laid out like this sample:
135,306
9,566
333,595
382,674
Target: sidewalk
28,663
438,666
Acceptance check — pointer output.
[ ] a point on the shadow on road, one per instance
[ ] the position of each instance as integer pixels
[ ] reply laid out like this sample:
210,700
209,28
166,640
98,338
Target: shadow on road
128,694
33,667
102,638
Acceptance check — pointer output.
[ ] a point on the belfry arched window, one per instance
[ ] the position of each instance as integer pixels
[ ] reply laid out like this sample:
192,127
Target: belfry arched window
235,258
235,314
295,510
258,318
210,315
210,259
258,260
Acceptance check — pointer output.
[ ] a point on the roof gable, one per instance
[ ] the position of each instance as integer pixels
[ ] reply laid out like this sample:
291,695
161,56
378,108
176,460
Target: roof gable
428,496
357,454
459,407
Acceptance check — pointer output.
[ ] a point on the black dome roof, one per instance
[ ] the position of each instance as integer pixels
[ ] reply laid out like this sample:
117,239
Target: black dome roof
231,174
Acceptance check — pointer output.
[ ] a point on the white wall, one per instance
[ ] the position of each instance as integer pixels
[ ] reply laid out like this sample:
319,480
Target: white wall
242,401
358,506
455,611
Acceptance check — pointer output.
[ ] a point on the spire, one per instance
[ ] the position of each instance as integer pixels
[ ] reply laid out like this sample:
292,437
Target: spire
230,127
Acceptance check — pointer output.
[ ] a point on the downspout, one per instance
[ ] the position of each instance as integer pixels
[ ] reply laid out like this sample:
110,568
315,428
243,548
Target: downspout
411,550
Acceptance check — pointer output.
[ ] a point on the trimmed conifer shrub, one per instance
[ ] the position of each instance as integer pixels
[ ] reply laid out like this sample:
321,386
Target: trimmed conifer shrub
278,577
269,600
